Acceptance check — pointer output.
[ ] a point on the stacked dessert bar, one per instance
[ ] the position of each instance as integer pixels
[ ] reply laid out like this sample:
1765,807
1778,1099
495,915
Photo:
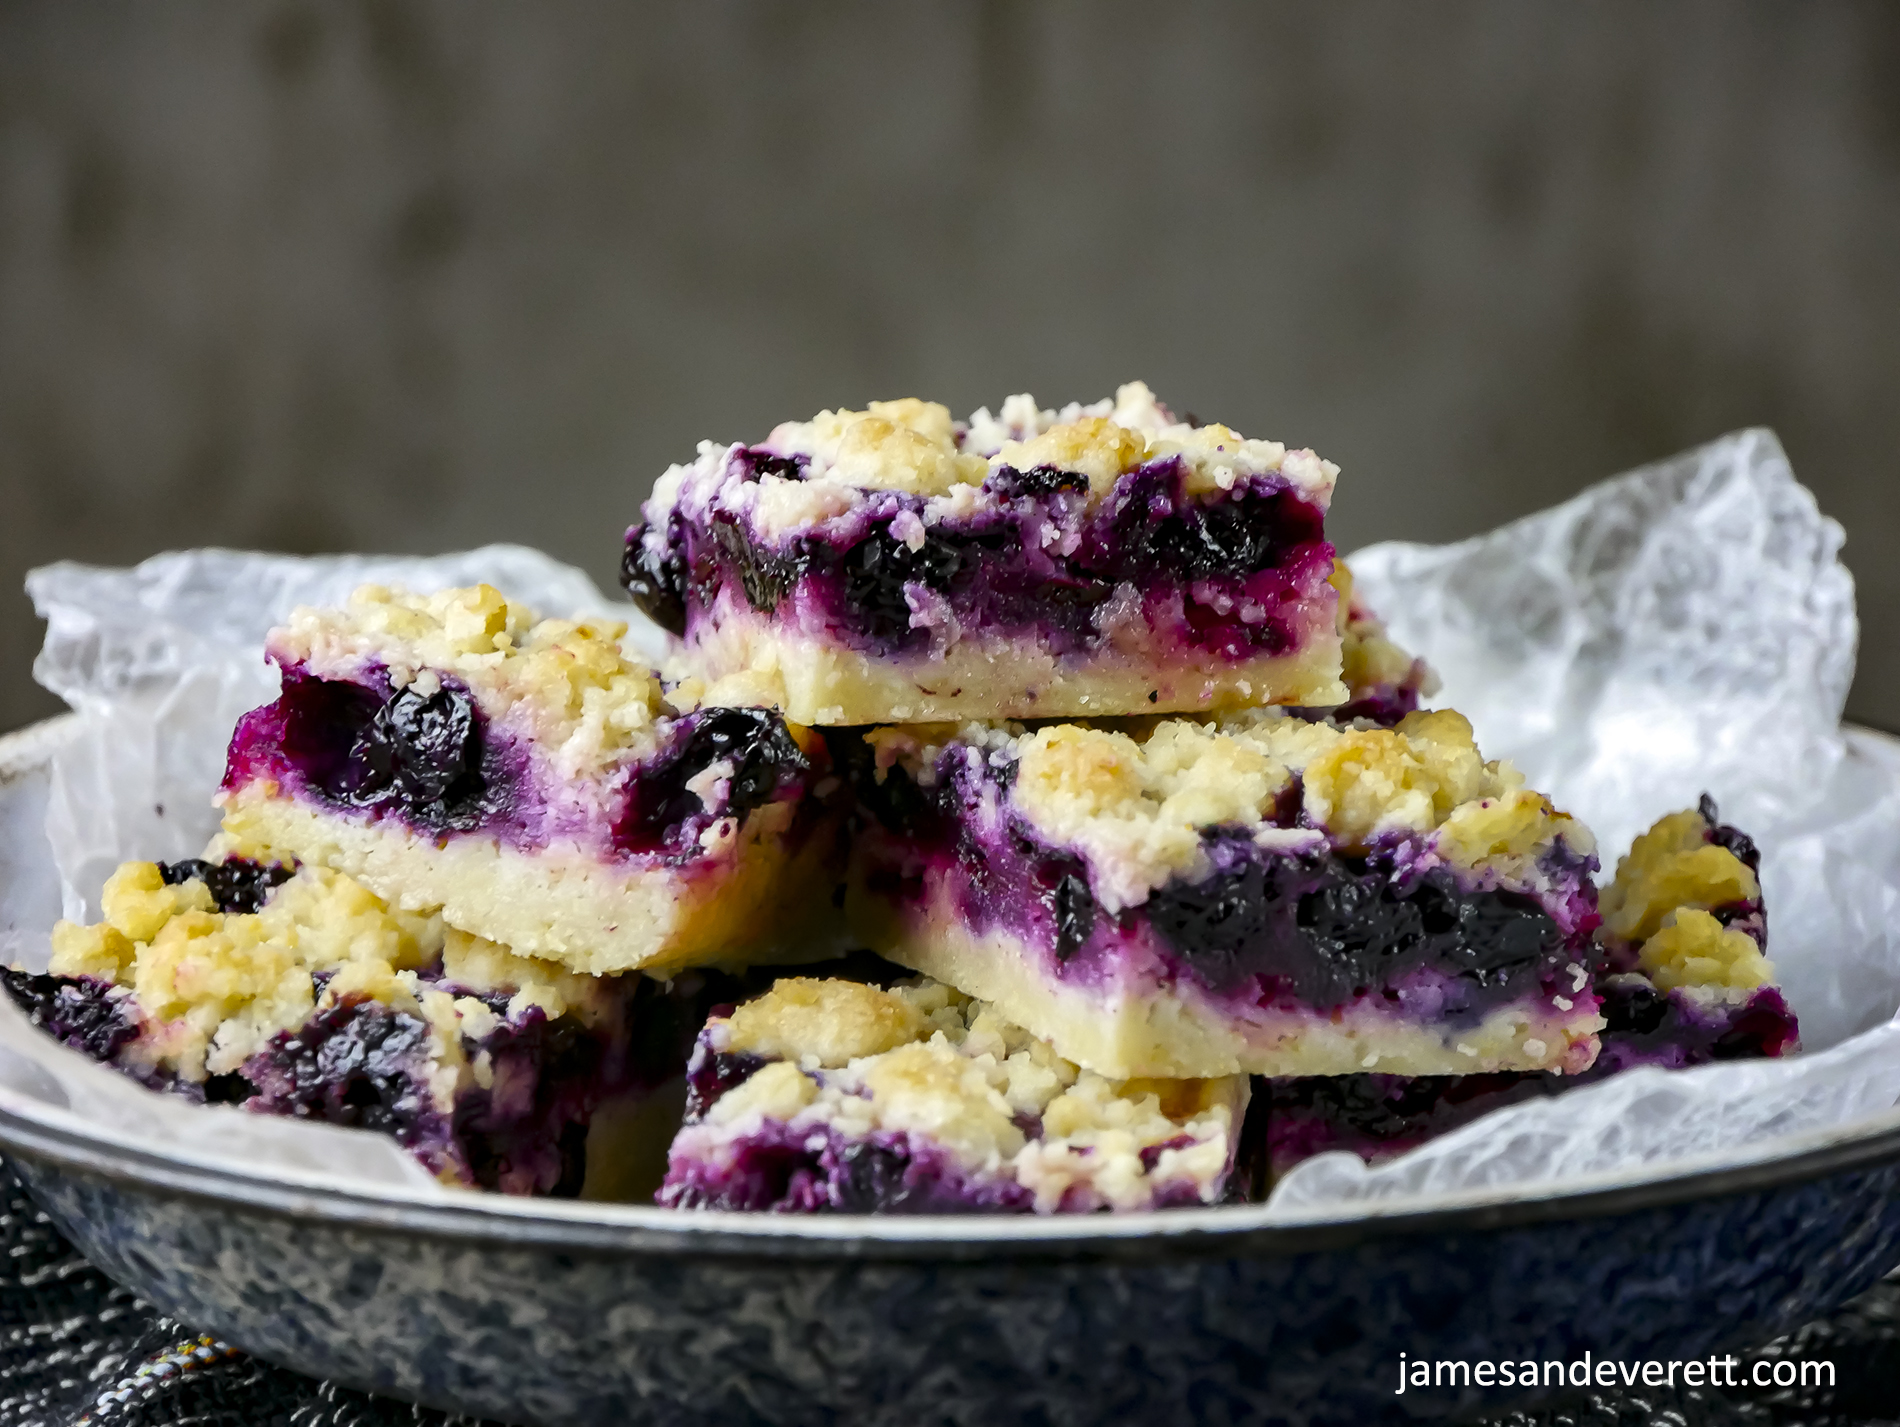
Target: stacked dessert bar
1681,976
1158,877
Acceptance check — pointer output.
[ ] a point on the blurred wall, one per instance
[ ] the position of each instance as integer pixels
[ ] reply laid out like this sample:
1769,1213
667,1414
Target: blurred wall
406,275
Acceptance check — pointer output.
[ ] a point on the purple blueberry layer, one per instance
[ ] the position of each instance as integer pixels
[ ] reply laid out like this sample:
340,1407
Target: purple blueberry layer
1382,704
440,767
1316,929
91,1016
801,1172
1379,1116
816,1172
1745,916
362,1064
1671,1030
1242,569
365,745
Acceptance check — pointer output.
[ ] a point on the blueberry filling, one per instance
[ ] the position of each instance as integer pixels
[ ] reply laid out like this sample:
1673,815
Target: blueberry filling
663,811
657,582
875,1179
237,884
996,571
1385,706
766,578
1073,907
1379,1115
1155,533
422,753
507,1136
894,800
710,1074
75,1013
1010,483
812,1173
352,1063
1329,927
1765,1027
1633,1009
754,463
876,571
423,756
1390,1107
1646,1025
1734,839
231,1088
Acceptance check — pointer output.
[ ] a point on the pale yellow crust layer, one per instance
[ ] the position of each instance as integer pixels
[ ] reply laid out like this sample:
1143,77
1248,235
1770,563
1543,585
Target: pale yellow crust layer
756,661
1173,1031
762,903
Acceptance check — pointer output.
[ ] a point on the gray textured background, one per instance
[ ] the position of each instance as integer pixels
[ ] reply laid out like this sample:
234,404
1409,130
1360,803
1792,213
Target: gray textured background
399,275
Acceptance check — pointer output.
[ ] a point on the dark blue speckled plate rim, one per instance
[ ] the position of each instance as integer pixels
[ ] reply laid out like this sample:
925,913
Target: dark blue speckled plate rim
1187,1233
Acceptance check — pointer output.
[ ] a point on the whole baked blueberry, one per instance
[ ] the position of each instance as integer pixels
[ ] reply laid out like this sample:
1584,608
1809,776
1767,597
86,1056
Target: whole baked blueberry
656,580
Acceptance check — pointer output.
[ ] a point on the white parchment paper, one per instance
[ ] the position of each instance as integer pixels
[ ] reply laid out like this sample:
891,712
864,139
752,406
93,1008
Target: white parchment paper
1682,628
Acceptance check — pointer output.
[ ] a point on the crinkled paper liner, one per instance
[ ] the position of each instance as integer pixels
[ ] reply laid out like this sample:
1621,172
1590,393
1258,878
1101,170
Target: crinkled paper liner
1685,628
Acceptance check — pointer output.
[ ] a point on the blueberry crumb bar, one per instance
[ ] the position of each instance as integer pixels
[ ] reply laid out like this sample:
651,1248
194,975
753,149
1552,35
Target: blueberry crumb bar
299,992
528,778
1255,892
1684,981
894,565
1384,682
839,1096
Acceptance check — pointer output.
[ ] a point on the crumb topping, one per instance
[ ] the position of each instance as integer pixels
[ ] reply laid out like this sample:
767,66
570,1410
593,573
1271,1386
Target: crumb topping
1094,446
584,700
213,987
1663,903
1672,866
835,1021
906,445
216,986
1021,419
951,1071
1139,808
913,448
473,963
1138,798
1692,948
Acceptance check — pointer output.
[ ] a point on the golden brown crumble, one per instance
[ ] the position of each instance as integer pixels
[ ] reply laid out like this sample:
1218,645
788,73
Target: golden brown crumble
942,1066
